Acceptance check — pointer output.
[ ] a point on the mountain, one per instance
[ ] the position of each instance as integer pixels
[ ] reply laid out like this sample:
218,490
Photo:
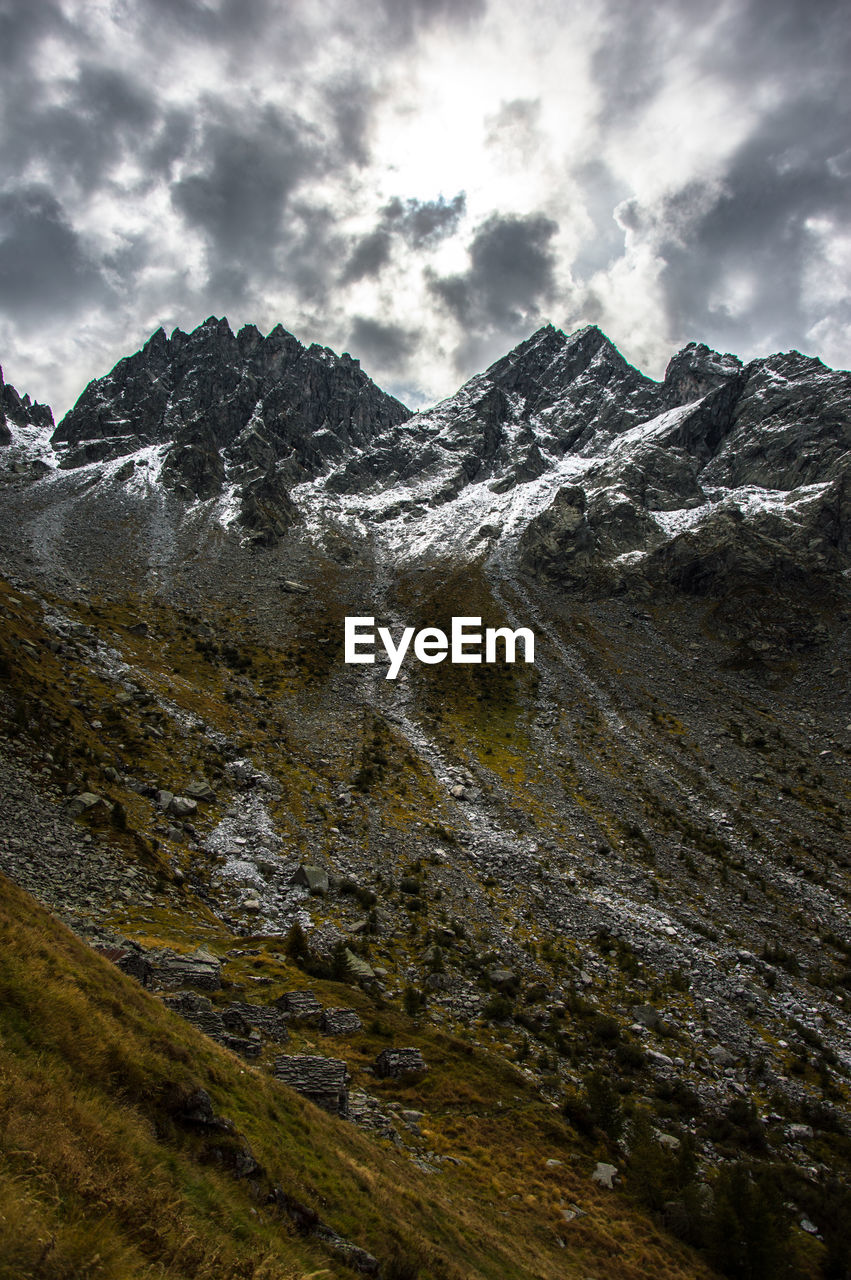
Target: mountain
605,893
20,411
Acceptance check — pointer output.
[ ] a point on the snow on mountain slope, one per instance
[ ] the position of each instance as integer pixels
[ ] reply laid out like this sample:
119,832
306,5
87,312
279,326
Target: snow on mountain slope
560,454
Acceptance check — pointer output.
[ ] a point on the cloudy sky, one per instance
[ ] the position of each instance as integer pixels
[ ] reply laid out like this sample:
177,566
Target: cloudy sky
422,182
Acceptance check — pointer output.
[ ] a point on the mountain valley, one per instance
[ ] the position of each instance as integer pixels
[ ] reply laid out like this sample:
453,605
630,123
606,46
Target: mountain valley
604,896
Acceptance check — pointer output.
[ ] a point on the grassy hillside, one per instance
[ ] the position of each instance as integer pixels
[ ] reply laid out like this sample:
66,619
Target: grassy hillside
101,1177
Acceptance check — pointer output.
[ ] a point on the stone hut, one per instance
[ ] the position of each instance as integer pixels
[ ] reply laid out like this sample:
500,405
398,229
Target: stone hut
172,970
340,1022
226,1026
270,1021
302,1006
397,1062
322,1080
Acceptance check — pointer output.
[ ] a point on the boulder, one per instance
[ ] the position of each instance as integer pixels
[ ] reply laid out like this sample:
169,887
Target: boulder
604,1175
502,979
314,879
358,967
83,803
647,1016
200,789
182,806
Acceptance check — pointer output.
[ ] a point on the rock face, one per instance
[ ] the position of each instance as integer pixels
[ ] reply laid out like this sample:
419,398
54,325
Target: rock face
20,410
739,474
560,461
239,411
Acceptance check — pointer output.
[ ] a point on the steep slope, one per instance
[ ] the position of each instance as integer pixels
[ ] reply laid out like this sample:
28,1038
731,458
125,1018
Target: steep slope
133,1146
627,863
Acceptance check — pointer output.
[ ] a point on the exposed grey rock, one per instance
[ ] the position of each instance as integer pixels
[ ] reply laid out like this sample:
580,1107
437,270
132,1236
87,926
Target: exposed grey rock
367,1112
278,412
21,410
196,1109
605,1174
314,879
199,789
359,968
83,803
351,1254
647,1016
182,806
657,1059
502,979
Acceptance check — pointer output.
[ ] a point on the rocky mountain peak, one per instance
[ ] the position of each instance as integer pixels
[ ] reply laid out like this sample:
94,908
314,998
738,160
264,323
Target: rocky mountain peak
225,401
696,370
20,410
550,360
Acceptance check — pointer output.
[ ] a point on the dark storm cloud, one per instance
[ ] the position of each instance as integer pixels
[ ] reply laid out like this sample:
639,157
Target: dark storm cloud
425,222
512,270
350,104
312,248
603,193
420,223
369,255
231,22
382,344
784,37
43,264
246,172
777,184
23,26
754,40
753,223
405,19
101,115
